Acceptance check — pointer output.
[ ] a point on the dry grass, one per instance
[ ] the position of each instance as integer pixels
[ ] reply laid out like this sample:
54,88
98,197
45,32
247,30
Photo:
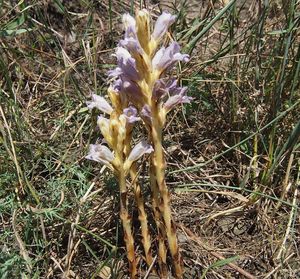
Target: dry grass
233,154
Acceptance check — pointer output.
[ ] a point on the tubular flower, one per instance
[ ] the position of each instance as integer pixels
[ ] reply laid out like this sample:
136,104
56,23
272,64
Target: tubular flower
99,103
100,153
163,22
167,57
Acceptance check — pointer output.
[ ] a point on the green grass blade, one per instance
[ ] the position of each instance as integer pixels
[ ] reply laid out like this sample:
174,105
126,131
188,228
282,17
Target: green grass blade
191,45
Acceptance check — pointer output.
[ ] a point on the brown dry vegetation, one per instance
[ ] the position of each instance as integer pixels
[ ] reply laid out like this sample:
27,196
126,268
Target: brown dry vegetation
233,170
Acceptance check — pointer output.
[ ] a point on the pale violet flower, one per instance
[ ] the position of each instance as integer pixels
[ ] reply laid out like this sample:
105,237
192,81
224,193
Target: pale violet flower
146,114
132,45
163,22
137,152
178,98
127,63
129,25
115,72
166,57
132,90
99,103
100,153
162,87
131,114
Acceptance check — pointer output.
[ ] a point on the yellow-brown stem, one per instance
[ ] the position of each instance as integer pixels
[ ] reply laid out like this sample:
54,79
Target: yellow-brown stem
146,240
160,195
162,251
142,215
164,206
126,220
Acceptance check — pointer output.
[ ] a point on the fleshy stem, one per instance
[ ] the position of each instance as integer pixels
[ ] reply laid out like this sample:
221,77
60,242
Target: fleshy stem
142,216
146,240
162,251
124,215
159,165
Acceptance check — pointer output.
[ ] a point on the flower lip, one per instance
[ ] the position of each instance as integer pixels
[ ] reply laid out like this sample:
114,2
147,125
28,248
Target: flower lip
115,72
178,97
131,114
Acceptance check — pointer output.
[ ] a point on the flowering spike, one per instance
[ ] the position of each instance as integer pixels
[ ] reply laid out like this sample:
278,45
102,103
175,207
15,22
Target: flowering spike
139,87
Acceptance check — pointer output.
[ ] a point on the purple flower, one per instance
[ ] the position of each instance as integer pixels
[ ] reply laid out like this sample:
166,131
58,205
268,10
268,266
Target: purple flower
146,114
132,45
166,57
99,103
100,153
115,72
162,87
127,63
163,22
139,150
132,91
159,90
131,114
178,97
129,26
117,85
127,89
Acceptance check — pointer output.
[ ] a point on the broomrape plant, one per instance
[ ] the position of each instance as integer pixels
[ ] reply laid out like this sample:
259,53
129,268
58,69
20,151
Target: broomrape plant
141,90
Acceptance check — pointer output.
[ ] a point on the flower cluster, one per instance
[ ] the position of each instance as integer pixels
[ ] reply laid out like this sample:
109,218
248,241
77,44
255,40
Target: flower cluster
140,71
114,131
